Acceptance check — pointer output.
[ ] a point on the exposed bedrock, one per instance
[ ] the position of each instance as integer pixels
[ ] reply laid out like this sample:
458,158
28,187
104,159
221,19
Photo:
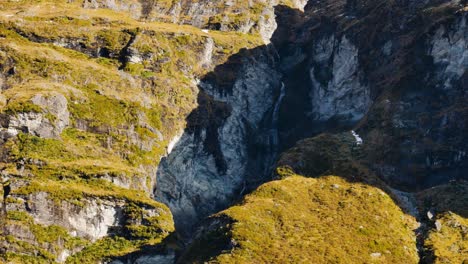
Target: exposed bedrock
208,167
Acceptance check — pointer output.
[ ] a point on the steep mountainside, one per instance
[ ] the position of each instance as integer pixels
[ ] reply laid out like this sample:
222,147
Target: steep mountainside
157,131
90,102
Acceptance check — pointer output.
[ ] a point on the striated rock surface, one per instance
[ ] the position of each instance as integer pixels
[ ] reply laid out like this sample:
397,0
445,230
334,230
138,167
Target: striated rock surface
52,119
73,228
337,91
448,50
90,220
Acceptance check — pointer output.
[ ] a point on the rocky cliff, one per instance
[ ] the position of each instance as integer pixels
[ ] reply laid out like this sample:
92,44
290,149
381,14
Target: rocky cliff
212,162
149,131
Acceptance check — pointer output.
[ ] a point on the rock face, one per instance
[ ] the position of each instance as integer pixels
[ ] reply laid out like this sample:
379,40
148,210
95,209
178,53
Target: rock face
91,220
47,124
75,223
336,79
448,49
436,144
340,75
147,258
209,166
232,15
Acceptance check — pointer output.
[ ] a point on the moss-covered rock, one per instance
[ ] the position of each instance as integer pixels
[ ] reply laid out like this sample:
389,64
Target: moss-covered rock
448,239
445,213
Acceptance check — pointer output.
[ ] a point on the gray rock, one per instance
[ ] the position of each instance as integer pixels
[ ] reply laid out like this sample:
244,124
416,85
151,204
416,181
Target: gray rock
438,225
159,259
188,180
168,258
300,4
207,56
57,105
198,13
33,123
449,48
39,124
342,95
430,215
90,219
62,257
134,56
267,24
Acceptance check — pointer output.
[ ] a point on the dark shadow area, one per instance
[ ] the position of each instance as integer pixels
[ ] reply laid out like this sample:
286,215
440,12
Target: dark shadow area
209,116
204,123
410,108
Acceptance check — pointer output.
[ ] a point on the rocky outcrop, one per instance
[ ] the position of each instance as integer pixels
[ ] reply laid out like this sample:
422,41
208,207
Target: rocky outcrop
434,137
55,231
448,48
340,76
334,80
46,124
91,219
147,258
42,222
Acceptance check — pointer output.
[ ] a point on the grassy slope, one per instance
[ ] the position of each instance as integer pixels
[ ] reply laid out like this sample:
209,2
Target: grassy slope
324,220
285,218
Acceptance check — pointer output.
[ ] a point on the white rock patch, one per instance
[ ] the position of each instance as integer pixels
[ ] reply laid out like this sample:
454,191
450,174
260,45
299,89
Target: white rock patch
357,137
